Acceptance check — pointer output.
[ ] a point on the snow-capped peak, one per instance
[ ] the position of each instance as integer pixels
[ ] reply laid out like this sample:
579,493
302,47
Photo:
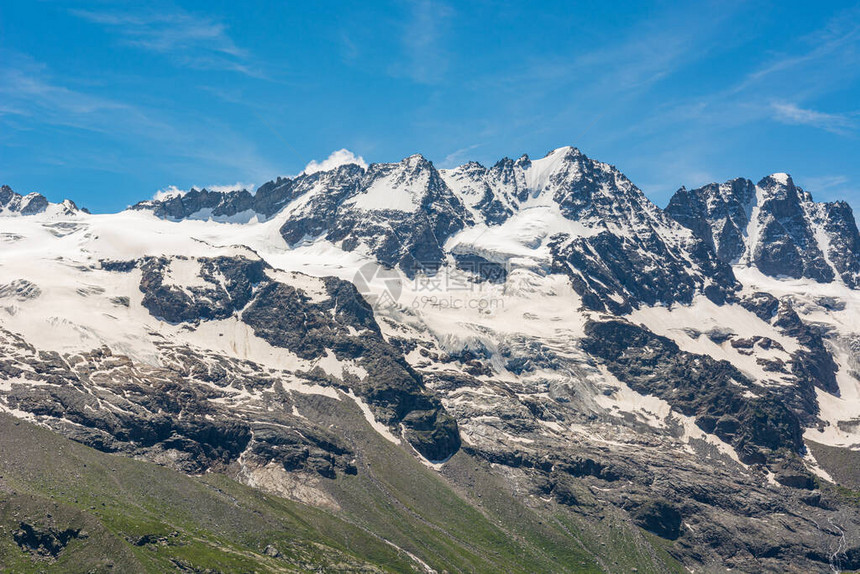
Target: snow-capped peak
781,178
335,159
539,171
398,186
12,203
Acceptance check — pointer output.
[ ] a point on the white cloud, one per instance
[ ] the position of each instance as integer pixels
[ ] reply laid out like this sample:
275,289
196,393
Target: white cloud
336,159
168,192
788,113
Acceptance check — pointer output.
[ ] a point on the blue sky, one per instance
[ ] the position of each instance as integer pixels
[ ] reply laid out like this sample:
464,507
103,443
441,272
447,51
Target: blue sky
108,102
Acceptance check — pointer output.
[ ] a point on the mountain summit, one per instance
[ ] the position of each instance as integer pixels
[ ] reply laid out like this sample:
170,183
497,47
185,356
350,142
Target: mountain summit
564,212
775,227
12,203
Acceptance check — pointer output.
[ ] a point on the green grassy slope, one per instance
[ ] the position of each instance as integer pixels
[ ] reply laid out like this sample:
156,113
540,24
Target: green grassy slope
106,513
135,516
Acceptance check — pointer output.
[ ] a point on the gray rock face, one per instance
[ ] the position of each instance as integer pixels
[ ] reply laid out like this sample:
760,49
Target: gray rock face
181,414
840,228
617,274
774,226
229,286
698,386
718,213
636,258
493,195
266,202
786,243
812,363
711,506
344,324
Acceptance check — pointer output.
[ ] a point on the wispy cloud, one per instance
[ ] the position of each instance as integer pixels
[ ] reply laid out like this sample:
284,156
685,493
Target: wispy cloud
425,56
833,47
811,68
792,114
29,90
616,79
825,182
646,57
652,50
190,40
828,187
818,64
36,99
349,49
455,157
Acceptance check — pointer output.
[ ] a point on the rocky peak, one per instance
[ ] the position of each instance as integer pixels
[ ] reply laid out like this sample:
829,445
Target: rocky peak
6,194
489,194
783,241
585,219
401,212
242,205
781,198
589,189
336,184
840,228
581,187
204,204
717,213
12,203
402,186
774,226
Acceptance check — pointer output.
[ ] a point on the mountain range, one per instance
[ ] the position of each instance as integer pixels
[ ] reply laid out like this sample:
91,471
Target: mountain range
523,367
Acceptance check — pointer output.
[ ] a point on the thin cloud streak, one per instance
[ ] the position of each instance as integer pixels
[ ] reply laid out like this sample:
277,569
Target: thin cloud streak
837,41
30,91
828,187
189,40
452,159
425,57
792,114
828,59
826,182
